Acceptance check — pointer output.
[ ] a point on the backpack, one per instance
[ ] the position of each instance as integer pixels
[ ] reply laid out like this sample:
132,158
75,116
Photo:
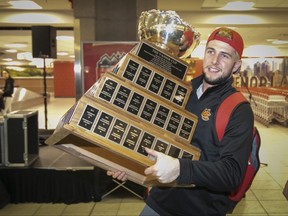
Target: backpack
222,117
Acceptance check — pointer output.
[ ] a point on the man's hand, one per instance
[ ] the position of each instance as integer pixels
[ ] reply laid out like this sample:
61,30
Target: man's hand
166,168
119,175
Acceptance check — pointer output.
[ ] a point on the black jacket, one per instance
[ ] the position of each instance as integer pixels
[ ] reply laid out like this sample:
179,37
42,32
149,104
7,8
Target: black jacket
9,87
222,164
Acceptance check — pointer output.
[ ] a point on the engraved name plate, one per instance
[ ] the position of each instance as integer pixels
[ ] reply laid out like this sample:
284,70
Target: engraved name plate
148,110
186,128
132,137
103,124
174,151
161,146
108,90
117,131
180,95
88,117
131,70
168,89
156,83
187,155
122,97
146,141
161,116
143,77
174,122
135,103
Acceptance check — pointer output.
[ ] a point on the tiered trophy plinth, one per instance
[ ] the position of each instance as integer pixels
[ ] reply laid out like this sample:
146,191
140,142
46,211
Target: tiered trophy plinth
141,104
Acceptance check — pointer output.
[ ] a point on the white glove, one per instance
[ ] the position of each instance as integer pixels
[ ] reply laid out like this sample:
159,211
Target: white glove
166,168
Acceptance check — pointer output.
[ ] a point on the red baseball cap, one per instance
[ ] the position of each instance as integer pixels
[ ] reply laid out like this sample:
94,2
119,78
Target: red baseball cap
228,36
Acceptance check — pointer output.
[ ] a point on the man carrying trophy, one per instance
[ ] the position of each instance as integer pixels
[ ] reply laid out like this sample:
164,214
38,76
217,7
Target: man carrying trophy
222,164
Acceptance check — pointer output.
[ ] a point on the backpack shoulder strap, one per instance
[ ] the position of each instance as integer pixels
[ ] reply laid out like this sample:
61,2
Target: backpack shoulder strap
224,111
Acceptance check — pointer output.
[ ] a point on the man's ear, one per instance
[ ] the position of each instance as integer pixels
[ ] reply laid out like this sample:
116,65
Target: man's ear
237,66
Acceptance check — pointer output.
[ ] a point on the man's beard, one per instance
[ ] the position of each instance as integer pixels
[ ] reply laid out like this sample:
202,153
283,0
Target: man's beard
216,81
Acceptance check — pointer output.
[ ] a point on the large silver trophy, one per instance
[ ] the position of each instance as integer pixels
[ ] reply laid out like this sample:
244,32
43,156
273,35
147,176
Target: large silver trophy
168,31
140,104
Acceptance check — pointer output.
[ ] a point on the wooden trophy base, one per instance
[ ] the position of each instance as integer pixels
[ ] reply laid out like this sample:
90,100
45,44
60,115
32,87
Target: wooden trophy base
136,107
103,150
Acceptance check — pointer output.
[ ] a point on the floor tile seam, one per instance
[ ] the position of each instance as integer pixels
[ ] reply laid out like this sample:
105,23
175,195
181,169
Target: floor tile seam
35,213
252,191
121,202
63,209
276,181
262,206
91,210
273,213
259,202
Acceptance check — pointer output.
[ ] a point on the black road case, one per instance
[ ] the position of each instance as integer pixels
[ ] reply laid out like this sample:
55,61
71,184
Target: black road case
2,151
21,138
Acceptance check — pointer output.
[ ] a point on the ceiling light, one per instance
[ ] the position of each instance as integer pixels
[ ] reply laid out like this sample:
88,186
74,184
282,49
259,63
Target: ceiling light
12,63
7,59
27,5
16,68
65,38
32,18
15,45
234,19
62,53
25,56
261,51
11,50
279,42
39,63
238,6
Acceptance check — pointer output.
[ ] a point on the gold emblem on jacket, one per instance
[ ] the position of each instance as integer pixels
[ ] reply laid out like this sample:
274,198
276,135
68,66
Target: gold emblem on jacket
206,113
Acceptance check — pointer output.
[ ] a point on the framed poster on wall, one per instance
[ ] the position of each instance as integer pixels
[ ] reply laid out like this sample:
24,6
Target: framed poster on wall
100,57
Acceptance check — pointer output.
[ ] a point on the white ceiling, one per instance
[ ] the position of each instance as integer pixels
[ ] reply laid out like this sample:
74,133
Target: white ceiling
267,21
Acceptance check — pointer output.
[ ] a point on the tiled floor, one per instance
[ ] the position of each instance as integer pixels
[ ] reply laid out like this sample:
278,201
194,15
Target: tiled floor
263,199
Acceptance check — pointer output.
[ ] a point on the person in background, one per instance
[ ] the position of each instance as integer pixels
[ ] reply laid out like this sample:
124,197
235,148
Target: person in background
7,92
222,164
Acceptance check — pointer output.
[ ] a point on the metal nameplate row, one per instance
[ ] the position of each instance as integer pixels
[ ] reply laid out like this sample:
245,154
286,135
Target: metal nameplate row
154,111
153,80
121,132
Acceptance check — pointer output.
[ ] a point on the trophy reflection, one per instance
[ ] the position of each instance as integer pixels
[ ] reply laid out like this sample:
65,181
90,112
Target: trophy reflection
168,31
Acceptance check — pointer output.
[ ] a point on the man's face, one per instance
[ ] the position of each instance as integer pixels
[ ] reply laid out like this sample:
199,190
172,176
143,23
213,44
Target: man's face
219,63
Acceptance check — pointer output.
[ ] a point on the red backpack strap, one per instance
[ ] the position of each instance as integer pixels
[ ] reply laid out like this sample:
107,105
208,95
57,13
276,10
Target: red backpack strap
224,111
